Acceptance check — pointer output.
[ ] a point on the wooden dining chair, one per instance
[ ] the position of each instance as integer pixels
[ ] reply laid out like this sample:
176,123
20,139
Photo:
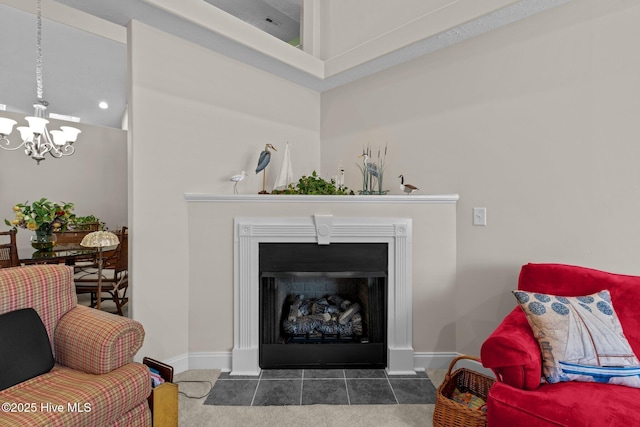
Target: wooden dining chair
115,276
9,251
73,237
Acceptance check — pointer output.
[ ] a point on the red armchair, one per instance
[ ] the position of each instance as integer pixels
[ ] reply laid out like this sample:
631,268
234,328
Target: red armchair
519,398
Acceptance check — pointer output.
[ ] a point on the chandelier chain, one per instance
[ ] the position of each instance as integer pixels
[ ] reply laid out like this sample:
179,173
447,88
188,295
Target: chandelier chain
39,89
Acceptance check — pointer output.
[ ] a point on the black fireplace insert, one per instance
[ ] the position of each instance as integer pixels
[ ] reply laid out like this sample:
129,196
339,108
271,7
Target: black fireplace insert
323,306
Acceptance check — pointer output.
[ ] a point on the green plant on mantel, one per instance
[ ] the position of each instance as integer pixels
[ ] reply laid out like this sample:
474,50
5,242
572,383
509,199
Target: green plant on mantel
315,185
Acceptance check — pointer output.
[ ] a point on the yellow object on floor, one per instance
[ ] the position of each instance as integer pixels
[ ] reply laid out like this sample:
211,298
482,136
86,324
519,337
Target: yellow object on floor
164,405
472,401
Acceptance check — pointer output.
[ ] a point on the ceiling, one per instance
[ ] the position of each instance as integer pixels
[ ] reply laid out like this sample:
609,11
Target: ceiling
80,69
280,18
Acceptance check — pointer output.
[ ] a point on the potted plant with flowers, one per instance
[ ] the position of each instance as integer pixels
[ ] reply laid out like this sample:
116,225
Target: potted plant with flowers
44,218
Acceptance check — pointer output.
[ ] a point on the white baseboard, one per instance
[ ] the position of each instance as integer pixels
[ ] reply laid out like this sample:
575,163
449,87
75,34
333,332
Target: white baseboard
222,360
433,360
179,363
442,361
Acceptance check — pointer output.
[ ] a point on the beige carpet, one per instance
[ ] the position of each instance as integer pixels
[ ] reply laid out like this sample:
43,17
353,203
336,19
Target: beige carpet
193,413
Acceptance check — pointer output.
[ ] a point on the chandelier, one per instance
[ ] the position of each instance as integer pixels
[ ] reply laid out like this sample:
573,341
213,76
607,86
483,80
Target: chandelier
37,140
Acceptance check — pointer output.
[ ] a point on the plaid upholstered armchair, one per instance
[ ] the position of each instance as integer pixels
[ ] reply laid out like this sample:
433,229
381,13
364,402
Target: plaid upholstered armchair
81,370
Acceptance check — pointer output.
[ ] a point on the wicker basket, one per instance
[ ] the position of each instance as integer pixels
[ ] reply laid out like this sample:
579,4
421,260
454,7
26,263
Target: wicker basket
449,413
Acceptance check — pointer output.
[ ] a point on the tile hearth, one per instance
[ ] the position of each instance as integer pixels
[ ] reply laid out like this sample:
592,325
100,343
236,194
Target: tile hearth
322,387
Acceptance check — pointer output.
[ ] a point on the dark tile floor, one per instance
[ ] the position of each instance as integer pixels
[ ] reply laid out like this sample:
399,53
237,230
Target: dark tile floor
322,386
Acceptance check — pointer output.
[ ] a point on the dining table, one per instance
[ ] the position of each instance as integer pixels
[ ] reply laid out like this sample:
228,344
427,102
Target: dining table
66,253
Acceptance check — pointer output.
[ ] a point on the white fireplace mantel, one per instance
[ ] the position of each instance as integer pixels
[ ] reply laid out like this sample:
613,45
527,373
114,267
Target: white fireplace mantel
303,198
249,232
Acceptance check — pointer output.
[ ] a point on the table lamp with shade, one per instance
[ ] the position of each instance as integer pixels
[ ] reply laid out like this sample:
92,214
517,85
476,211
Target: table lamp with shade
99,239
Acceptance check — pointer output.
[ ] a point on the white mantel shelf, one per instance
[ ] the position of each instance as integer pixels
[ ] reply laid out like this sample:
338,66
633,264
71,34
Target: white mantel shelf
300,198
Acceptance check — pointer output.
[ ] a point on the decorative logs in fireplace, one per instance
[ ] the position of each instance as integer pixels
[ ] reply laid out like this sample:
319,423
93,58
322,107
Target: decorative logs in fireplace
327,318
301,326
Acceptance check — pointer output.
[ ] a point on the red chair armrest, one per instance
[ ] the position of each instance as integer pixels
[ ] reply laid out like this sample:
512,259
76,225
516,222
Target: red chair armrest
512,352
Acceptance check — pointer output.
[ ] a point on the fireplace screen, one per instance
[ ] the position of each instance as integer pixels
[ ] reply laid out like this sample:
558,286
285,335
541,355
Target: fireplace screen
323,306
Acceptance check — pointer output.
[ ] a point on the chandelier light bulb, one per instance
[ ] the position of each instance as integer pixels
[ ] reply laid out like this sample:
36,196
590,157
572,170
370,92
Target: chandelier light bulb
58,137
25,133
70,133
6,125
37,124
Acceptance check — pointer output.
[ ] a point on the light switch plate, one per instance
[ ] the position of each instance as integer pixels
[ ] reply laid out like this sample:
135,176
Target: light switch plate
479,216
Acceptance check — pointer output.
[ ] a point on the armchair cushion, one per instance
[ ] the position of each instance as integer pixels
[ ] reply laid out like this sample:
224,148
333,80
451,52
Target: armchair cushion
85,399
25,351
580,338
567,404
96,342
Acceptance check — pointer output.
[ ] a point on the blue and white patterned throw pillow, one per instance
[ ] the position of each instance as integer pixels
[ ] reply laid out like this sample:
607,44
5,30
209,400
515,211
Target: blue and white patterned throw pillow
580,338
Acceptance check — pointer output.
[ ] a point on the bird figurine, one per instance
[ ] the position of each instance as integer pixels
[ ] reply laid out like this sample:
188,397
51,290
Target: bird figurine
407,188
371,167
236,179
263,161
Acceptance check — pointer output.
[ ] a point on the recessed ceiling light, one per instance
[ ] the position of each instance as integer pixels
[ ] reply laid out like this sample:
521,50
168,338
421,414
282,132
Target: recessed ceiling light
103,105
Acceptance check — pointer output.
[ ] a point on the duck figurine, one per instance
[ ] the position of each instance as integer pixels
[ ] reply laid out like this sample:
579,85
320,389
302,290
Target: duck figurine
406,188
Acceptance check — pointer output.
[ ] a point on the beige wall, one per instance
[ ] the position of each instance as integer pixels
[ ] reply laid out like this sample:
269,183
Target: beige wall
537,122
196,119
94,178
